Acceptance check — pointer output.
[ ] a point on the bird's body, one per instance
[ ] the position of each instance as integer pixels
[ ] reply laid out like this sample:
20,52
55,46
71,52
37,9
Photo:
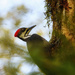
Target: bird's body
38,47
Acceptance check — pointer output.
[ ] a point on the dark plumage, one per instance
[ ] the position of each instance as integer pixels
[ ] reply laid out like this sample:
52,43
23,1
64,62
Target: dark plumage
38,47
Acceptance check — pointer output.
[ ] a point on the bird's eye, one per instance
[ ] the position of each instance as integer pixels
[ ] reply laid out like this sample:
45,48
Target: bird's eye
22,29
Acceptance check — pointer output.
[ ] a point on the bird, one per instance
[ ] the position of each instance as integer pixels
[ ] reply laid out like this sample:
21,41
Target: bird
38,47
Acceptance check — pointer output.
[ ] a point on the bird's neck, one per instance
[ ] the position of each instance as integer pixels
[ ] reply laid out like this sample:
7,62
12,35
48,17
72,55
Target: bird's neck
30,37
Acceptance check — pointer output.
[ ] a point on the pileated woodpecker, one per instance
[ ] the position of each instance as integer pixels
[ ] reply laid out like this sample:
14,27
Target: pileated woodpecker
38,47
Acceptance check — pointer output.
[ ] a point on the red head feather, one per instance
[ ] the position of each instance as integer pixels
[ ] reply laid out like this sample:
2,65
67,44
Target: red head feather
16,33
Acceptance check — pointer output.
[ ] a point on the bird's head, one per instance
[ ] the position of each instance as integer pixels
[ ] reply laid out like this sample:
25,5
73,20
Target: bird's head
23,33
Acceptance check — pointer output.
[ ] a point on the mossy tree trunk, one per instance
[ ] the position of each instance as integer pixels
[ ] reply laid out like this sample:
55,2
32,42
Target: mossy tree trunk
63,17
62,13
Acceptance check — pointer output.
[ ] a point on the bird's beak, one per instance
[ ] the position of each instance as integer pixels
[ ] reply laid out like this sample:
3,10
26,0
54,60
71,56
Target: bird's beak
29,29
32,27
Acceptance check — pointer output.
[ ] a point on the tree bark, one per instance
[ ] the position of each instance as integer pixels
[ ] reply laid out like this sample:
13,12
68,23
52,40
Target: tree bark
62,61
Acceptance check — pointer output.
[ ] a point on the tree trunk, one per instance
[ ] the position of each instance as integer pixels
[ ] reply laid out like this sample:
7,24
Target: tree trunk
62,61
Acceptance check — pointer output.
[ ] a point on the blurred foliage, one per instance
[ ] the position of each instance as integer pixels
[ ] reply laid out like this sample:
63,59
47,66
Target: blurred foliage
1,19
8,48
10,70
16,17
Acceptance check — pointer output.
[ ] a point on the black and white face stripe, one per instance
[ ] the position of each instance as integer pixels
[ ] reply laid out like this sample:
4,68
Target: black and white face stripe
24,32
